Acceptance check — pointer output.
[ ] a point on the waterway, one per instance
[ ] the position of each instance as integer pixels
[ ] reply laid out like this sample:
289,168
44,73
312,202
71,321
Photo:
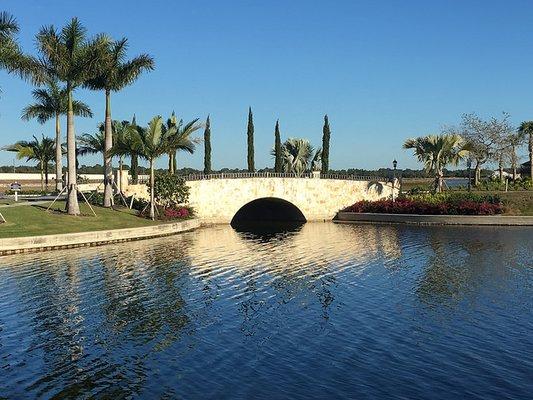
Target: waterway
317,311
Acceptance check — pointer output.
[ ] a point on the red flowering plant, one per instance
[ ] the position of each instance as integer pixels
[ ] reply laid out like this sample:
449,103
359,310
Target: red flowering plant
171,197
453,204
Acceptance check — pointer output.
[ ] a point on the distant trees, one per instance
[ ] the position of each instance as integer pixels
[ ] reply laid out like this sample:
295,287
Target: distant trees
326,135
278,157
438,151
207,146
42,151
250,137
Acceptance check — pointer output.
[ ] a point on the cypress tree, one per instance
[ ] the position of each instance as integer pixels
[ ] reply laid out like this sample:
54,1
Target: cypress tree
250,132
326,133
207,147
277,149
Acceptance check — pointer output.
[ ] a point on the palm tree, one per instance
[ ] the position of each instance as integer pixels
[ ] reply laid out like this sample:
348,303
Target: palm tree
9,48
52,102
92,144
437,151
42,151
526,129
151,143
514,140
115,73
298,156
122,132
67,56
11,57
181,141
127,145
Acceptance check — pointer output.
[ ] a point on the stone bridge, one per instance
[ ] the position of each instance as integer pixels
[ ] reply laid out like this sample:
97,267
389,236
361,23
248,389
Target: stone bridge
227,198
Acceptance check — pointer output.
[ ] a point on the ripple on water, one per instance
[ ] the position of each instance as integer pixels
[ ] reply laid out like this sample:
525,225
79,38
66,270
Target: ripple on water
320,311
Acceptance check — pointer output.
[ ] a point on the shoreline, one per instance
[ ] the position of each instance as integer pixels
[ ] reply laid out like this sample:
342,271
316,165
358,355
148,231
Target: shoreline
31,244
418,219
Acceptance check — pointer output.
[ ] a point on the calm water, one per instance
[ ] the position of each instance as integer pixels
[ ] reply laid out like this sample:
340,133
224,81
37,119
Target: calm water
326,311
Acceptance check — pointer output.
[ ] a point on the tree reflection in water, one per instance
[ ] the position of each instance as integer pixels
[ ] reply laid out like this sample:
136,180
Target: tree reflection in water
158,317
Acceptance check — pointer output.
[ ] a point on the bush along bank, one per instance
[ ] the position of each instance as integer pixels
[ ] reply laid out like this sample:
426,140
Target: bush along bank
439,204
171,197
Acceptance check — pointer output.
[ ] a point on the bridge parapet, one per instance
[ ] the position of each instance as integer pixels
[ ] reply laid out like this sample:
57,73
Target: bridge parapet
312,175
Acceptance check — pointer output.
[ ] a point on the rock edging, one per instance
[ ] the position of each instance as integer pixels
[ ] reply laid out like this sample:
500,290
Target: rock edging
416,219
26,244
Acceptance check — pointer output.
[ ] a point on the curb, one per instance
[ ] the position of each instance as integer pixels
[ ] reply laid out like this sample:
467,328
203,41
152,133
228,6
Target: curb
415,219
29,244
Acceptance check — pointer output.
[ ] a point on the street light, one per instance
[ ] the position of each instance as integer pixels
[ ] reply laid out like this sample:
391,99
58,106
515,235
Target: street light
394,165
469,167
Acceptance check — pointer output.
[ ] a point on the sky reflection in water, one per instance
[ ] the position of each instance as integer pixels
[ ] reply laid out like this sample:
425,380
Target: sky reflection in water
321,311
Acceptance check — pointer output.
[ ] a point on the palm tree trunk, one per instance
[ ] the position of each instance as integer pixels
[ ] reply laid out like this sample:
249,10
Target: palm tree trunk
477,173
120,164
42,175
500,168
108,167
439,181
175,162
59,156
134,166
531,155
171,156
46,174
513,162
152,194
73,208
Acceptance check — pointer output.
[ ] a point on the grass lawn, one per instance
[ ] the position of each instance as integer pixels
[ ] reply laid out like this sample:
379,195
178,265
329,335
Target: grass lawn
33,220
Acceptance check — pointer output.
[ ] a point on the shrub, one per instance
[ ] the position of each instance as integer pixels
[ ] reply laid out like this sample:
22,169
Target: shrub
436,206
169,213
170,190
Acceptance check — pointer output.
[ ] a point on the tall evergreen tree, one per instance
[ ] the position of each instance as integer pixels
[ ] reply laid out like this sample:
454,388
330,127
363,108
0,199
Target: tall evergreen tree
250,132
326,134
278,164
207,147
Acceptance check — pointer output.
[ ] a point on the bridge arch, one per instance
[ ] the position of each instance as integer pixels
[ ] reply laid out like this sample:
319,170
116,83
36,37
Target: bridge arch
268,209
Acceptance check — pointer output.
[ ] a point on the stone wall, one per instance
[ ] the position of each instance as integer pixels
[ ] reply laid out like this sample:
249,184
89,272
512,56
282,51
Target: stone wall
218,200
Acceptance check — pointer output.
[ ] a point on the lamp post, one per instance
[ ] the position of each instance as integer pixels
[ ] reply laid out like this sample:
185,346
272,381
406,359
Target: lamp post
469,167
394,165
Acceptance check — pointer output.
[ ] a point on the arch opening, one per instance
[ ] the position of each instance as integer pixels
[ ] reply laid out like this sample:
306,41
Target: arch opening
268,211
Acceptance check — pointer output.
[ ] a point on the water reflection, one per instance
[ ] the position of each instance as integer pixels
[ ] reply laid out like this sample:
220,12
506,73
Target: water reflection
171,316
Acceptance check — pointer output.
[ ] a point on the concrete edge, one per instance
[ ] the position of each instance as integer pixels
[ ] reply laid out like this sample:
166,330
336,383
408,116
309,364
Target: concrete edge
415,219
28,244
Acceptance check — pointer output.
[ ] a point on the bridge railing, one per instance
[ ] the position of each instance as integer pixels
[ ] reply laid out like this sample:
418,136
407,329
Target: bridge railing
243,175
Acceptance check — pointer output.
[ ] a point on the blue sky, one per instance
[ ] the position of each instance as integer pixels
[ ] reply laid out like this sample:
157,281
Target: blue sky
382,70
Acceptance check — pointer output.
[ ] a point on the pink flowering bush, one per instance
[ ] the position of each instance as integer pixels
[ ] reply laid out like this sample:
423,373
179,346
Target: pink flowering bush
177,213
169,213
425,207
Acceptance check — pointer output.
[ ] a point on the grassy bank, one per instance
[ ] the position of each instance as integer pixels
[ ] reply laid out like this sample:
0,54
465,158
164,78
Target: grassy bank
33,220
